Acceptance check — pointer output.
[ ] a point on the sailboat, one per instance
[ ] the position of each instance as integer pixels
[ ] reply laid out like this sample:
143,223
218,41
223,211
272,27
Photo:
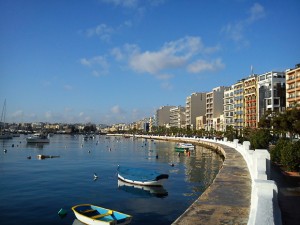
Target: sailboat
3,134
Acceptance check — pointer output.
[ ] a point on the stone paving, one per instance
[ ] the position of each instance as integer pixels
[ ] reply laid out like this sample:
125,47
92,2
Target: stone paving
228,199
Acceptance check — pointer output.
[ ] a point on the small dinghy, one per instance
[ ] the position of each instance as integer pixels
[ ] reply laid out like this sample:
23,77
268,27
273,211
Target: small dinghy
96,215
141,176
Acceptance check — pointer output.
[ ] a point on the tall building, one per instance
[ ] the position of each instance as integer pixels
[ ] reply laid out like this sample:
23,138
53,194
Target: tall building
250,101
238,98
214,108
177,117
195,106
229,106
271,92
293,87
163,116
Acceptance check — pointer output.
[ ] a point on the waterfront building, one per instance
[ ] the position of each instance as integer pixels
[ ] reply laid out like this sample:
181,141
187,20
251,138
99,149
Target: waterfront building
271,93
195,106
214,108
250,101
229,106
177,117
200,122
163,116
238,98
293,87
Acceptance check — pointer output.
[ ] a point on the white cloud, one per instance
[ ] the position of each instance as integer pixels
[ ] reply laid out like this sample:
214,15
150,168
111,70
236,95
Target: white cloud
123,3
172,55
116,110
117,54
103,31
235,31
18,114
202,66
98,64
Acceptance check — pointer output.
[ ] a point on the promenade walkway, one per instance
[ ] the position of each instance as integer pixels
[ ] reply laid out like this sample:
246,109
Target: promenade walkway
228,199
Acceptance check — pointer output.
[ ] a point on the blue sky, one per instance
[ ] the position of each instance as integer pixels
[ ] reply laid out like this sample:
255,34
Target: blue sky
112,61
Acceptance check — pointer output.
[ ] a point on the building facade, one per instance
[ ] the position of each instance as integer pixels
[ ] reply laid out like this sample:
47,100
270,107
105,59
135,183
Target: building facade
250,101
163,116
177,117
195,106
293,87
271,93
238,98
214,108
229,106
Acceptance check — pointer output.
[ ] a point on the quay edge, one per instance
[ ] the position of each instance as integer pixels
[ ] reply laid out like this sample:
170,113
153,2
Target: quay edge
241,192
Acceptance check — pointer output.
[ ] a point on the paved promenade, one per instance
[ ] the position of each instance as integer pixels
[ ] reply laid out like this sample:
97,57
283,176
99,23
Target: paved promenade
228,199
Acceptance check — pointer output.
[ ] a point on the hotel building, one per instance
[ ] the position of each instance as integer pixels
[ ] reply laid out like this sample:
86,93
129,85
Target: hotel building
293,87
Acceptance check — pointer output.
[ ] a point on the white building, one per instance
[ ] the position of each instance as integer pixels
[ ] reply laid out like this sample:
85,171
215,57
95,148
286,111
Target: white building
214,108
229,106
271,92
177,117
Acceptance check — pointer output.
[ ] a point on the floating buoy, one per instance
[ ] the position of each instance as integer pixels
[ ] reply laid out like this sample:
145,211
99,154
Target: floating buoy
62,213
5,150
89,151
28,157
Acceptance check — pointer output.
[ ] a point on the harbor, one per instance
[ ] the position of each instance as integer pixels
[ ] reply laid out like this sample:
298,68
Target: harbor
43,187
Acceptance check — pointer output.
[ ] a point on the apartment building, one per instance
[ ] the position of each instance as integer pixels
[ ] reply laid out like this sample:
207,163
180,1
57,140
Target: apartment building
238,98
195,106
214,108
177,117
163,116
293,87
229,106
271,93
250,101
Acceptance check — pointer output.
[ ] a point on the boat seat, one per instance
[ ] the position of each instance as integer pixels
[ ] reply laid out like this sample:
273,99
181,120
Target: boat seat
89,210
110,212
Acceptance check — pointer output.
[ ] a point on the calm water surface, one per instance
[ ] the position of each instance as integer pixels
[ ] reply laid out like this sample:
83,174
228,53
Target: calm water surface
32,191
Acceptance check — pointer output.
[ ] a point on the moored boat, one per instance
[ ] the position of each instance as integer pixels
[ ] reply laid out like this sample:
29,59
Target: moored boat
189,146
92,214
141,176
38,138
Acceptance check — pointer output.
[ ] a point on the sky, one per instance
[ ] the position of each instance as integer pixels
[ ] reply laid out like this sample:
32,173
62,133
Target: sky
118,61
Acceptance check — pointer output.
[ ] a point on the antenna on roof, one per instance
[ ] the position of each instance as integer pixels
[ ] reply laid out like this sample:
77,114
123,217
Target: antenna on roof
251,70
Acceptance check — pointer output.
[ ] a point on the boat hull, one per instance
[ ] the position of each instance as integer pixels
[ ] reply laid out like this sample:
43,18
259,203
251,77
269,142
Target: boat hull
102,216
32,140
143,183
139,176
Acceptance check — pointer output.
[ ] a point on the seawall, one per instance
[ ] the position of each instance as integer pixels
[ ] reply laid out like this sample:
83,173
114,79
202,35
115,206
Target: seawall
241,192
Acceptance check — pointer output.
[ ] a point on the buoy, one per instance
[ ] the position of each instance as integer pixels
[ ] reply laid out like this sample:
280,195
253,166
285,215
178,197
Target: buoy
5,150
28,157
89,151
95,176
62,213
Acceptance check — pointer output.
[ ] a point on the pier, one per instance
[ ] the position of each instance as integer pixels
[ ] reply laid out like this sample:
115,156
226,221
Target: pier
242,192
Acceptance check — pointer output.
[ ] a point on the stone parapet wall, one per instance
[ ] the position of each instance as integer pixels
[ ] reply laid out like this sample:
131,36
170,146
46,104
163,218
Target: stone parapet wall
263,207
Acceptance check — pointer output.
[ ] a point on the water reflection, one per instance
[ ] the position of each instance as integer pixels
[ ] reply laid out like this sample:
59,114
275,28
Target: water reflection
36,145
145,191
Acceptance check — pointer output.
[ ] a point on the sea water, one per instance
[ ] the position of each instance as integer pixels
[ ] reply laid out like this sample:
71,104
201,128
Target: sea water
32,191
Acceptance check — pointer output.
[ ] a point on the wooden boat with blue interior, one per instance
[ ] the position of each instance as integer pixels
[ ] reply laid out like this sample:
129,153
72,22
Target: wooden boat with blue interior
96,215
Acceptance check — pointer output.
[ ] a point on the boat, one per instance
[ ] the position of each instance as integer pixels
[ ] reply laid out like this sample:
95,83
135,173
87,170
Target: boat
145,191
38,138
184,147
139,176
96,215
3,133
